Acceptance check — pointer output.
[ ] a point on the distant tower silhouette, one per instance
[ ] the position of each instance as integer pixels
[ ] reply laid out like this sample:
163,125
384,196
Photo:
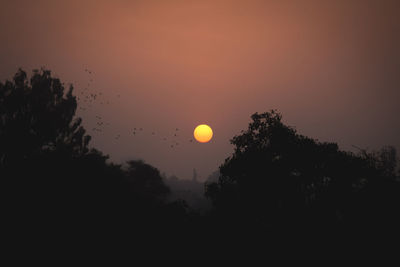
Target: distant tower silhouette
194,179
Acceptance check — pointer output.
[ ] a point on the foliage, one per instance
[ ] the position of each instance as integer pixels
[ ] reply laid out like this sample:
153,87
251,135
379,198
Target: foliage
48,172
275,179
278,176
38,115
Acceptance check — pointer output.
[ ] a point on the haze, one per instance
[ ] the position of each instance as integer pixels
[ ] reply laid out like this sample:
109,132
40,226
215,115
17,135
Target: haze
330,67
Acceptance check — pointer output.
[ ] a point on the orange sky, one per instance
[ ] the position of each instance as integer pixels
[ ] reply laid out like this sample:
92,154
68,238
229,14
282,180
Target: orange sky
331,67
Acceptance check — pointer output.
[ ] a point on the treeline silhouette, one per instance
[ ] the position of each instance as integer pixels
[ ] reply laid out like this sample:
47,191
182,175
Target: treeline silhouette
189,190
277,182
288,183
53,183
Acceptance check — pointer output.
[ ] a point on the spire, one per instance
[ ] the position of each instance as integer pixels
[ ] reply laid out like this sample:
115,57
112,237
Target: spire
194,175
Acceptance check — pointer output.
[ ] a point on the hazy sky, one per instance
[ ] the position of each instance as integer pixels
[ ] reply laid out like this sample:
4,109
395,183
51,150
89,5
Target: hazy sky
330,67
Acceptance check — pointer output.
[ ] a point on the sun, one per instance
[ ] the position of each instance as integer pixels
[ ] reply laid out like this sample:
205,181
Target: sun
203,133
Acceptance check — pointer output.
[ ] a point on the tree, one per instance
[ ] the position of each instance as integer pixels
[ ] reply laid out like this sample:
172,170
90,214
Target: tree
146,182
279,177
37,116
52,183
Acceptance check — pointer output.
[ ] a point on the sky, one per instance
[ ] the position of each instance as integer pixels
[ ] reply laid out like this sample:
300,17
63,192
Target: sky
330,67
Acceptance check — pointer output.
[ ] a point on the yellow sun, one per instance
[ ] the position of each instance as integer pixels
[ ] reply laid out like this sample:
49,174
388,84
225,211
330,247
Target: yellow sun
203,133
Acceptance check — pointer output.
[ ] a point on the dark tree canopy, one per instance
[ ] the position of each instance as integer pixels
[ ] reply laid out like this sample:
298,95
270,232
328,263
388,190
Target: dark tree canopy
146,181
275,180
278,176
48,172
37,115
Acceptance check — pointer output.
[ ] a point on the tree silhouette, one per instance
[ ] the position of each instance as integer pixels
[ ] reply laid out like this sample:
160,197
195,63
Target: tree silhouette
278,177
37,116
48,172
146,182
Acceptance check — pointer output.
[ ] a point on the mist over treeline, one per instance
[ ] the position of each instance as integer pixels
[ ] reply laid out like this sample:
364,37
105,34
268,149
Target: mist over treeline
277,182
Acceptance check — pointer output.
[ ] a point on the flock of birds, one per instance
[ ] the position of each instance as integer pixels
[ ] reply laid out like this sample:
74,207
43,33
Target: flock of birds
89,97
172,138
